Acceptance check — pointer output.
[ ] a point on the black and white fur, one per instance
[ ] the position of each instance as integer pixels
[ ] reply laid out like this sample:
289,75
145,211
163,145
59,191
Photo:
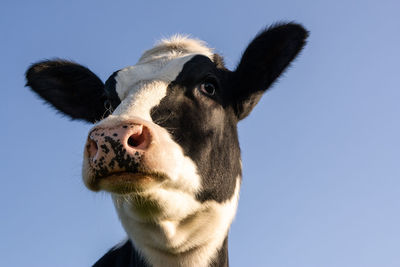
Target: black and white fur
182,88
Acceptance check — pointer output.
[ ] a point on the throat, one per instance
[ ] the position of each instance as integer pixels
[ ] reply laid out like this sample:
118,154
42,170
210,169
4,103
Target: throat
194,257
190,234
191,242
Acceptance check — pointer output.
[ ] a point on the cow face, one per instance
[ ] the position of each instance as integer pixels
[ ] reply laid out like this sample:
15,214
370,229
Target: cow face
165,141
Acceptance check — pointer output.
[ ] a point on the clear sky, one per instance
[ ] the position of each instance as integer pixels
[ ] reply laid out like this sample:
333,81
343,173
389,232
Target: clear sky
321,152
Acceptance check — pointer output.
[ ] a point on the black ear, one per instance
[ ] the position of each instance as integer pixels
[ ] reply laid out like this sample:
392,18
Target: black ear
70,88
263,61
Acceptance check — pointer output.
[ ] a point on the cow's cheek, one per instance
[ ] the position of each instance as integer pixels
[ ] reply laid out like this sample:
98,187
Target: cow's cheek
167,157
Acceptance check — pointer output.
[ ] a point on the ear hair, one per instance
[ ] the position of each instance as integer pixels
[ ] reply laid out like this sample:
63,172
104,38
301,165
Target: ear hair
263,61
69,87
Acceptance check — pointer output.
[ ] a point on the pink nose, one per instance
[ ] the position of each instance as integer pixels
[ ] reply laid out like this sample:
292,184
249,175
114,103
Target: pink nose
117,148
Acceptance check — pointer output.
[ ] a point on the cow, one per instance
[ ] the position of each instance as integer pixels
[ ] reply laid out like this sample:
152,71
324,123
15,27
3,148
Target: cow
165,142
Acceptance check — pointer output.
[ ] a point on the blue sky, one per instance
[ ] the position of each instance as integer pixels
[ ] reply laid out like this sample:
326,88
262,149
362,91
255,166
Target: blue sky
321,151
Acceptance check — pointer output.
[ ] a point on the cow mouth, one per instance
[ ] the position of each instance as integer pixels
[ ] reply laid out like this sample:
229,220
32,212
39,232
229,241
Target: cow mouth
126,182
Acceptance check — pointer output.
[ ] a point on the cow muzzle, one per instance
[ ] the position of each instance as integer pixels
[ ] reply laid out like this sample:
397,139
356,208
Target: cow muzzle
113,158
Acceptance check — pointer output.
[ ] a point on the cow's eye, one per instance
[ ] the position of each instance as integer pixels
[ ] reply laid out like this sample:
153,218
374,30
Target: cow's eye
207,88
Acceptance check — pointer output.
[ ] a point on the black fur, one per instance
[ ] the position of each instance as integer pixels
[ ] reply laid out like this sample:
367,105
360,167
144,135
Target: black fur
210,141
70,88
222,259
123,256
266,57
214,146
110,91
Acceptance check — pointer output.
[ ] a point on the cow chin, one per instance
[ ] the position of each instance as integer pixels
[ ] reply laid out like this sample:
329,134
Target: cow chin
155,203
129,183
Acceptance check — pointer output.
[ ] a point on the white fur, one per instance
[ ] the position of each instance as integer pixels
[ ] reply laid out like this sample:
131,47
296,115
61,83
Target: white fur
161,63
140,99
192,240
176,46
165,221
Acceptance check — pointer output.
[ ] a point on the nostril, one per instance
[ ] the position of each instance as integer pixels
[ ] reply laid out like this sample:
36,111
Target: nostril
139,137
91,148
135,140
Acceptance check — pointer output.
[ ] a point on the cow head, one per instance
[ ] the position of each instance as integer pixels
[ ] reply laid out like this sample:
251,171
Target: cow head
165,142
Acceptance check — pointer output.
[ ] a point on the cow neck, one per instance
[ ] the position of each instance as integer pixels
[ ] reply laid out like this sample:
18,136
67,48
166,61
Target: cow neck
126,255
196,240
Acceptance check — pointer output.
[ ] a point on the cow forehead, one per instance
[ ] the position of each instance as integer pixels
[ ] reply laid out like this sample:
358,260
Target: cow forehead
161,63
128,78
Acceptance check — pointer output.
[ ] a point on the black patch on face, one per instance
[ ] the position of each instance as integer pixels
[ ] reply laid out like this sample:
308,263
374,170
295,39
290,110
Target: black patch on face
204,126
110,91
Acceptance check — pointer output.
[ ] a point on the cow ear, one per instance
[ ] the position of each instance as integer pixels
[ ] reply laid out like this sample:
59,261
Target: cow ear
264,60
70,88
